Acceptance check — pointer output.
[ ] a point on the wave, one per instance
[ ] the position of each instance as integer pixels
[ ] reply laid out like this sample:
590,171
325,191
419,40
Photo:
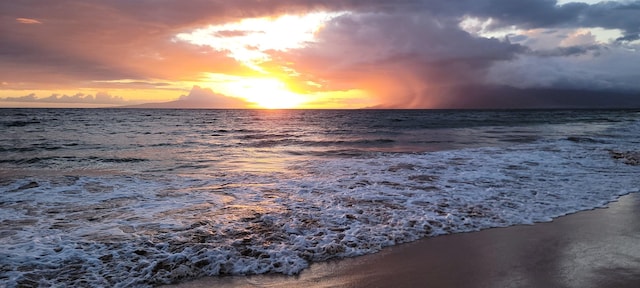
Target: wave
126,207
356,143
143,231
35,160
20,123
118,160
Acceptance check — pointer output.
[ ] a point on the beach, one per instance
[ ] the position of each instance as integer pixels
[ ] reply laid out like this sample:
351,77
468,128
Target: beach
596,248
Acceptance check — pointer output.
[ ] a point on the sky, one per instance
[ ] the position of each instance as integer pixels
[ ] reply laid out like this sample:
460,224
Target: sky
320,54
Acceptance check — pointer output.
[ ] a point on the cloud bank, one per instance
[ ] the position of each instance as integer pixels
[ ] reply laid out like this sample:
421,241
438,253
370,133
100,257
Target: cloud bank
80,98
199,98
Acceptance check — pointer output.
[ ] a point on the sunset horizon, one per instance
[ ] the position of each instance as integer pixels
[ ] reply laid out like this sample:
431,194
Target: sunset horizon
316,55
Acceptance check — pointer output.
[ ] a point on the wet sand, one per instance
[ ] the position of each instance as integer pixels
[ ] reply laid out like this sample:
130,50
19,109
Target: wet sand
598,248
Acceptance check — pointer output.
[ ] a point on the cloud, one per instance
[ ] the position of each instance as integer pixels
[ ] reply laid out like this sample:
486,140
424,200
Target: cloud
197,98
567,51
613,68
207,98
531,14
79,98
200,98
28,21
423,58
27,98
412,58
612,14
101,40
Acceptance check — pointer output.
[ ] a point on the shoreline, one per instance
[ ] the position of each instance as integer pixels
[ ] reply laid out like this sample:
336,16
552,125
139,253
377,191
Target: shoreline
593,248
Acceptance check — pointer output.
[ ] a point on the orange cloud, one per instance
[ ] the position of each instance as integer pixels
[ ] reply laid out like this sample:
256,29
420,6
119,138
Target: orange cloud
28,21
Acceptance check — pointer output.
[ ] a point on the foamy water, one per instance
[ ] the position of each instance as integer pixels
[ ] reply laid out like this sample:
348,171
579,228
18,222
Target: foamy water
125,204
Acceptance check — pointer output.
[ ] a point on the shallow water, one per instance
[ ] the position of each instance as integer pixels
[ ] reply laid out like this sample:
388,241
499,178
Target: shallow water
143,197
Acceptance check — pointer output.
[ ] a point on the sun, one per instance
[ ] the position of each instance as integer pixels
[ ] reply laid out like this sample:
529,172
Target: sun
263,91
267,93
251,41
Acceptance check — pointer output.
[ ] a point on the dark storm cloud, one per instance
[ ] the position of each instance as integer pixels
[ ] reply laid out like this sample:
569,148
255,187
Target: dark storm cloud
629,38
567,51
411,58
504,97
615,16
528,13
523,13
443,64
547,14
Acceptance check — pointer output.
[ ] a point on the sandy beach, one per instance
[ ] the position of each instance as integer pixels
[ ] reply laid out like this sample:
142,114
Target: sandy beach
597,248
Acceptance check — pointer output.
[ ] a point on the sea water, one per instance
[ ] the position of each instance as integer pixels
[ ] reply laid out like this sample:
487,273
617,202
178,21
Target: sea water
131,197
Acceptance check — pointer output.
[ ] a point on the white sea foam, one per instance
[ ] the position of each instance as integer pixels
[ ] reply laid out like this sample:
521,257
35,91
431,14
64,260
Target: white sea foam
124,230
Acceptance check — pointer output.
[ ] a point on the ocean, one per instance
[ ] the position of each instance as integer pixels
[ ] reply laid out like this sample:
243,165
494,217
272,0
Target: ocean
134,197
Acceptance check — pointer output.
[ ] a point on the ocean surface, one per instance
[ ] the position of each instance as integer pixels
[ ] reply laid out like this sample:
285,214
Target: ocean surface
128,197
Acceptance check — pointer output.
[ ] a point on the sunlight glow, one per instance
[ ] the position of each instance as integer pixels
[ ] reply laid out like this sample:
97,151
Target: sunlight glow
265,92
248,40
251,42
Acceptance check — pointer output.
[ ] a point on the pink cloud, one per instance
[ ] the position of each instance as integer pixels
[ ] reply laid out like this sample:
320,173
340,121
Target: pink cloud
28,21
